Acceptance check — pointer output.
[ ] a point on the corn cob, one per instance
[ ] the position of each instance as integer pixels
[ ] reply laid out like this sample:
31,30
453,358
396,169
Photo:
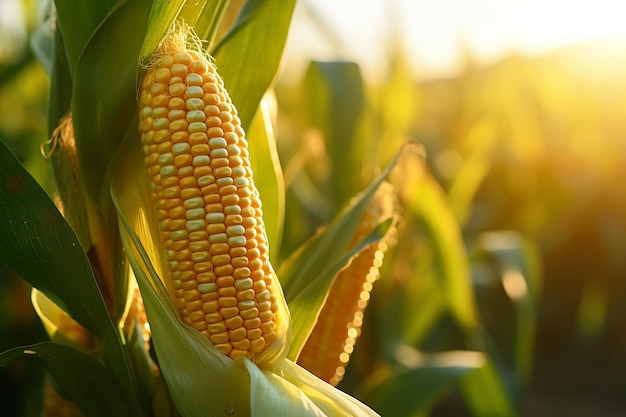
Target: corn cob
207,206
330,344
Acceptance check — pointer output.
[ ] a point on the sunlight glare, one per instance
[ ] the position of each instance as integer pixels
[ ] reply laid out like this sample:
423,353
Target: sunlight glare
439,35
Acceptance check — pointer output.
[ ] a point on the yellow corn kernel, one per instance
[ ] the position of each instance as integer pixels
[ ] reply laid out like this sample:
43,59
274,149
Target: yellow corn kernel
136,314
207,204
332,340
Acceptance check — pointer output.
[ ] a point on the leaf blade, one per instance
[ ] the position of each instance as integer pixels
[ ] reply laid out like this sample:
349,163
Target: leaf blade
85,380
39,245
105,86
405,389
267,175
258,44
78,20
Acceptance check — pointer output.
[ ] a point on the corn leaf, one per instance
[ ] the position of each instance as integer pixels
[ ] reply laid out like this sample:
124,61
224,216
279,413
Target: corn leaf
517,259
249,9
486,394
406,389
267,174
105,90
248,58
81,378
78,20
37,243
427,202
397,106
473,171
234,16
336,102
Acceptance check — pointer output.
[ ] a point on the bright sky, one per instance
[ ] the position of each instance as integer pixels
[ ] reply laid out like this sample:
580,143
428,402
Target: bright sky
12,31
435,32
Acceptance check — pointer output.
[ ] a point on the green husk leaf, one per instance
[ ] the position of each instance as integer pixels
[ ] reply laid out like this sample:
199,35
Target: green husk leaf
271,395
60,149
78,21
332,401
248,58
267,174
202,381
162,15
81,377
207,19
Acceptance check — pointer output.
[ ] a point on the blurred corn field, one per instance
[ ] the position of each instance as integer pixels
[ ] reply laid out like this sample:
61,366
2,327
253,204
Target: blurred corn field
496,289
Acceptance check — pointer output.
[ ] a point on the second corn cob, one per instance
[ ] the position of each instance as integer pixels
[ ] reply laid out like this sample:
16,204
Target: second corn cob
332,340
